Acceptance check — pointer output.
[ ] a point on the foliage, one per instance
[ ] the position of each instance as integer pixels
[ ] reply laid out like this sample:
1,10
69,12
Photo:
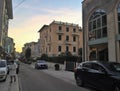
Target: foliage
28,53
44,57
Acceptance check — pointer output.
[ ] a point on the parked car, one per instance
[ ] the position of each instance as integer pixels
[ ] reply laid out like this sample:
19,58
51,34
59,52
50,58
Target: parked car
104,76
41,64
3,70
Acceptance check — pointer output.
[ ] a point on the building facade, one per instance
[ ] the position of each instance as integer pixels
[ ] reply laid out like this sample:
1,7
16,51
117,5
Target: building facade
60,37
34,46
101,30
6,13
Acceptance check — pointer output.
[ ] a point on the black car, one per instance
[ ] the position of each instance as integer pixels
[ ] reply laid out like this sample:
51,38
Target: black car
41,64
104,76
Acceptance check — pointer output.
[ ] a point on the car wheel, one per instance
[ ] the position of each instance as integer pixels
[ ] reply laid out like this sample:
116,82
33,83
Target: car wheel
116,88
79,81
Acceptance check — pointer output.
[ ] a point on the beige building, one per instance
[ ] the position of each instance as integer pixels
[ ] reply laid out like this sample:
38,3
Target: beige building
59,37
34,46
101,30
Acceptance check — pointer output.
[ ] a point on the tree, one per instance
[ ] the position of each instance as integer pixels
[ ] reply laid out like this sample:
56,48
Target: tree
28,53
44,57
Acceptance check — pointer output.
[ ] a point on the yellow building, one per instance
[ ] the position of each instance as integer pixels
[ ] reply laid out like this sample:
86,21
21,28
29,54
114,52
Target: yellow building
60,37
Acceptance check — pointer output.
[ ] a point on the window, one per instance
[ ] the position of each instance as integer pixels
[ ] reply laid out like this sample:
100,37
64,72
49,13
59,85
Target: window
60,28
59,48
97,67
67,38
74,38
67,29
118,10
87,65
74,49
98,25
74,30
67,48
59,37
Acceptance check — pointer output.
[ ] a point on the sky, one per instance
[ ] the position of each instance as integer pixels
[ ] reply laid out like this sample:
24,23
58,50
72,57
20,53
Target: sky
30,15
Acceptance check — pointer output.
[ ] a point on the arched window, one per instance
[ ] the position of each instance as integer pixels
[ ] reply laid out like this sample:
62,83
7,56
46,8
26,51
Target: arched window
98,25
118,10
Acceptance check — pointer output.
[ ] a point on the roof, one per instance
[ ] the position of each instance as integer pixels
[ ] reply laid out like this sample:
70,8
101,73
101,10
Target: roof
43,27
64,23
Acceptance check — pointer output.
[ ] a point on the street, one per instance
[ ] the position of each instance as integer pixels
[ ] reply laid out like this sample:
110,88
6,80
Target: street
31,79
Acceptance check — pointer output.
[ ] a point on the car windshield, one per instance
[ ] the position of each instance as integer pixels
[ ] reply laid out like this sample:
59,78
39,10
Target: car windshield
2,63
42,61
114,67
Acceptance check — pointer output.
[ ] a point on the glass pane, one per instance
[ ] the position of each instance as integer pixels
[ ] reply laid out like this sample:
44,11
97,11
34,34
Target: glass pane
119,27
98,22
94,24
104,32
104,22
90,26
118,16
98,33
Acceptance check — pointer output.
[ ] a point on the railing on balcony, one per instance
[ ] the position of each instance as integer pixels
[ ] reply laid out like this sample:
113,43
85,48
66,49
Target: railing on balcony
59,32
67,42
76,33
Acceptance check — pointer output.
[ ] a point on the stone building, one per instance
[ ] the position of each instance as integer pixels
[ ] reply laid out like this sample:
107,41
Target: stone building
101,30
60,37
34,46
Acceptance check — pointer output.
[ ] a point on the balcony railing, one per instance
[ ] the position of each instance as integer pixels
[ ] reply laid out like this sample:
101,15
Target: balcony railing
76,33
67,42
59,32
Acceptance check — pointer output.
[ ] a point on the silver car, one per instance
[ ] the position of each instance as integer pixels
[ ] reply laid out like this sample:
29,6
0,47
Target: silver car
3,70
41,64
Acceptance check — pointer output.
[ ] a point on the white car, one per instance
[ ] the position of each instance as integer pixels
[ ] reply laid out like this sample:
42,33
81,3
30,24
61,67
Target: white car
3,70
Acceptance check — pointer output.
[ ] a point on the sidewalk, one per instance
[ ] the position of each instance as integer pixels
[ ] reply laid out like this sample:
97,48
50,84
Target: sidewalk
7,86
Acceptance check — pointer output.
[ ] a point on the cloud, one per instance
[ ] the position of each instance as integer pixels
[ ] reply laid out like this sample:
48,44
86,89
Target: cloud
27,30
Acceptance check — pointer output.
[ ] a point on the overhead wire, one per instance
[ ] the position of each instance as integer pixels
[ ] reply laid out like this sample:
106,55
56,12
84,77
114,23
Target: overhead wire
19,4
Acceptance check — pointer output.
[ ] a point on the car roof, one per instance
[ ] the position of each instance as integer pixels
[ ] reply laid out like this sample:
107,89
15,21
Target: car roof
2,60
100,62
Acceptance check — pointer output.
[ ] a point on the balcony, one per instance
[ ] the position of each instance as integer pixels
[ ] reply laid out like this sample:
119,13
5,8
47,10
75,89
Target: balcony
59,32
67,42
75,33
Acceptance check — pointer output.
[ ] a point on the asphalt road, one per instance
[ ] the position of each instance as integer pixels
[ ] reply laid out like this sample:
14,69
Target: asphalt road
31,79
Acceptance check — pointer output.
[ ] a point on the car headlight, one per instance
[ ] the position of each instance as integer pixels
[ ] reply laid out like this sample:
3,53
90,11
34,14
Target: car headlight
2,72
